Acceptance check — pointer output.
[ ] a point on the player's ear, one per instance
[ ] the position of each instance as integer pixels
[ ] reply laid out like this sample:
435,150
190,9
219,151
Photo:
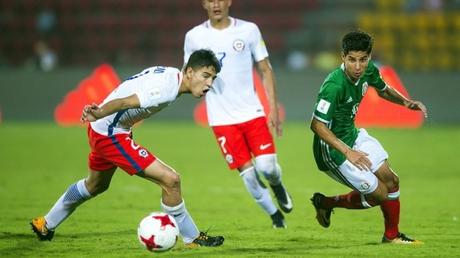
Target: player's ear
189,72
342,55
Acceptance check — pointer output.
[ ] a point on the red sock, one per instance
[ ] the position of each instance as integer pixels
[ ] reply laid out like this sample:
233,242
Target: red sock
391,209
351,200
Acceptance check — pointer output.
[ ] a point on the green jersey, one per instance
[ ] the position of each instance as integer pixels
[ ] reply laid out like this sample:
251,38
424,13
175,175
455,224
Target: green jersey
337,105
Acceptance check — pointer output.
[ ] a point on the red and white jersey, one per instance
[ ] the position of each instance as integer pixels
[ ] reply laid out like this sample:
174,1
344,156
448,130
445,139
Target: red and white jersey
232,99
156,87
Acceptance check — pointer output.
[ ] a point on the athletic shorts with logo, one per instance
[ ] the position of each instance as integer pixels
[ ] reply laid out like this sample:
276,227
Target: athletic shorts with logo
238,141
118,150
348,174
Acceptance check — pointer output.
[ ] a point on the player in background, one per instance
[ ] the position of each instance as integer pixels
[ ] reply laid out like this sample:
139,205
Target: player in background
350,155
233,108
112,146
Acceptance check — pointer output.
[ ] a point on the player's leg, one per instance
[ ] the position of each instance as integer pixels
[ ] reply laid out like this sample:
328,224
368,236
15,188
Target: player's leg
137,160
364,184
267,164
97,182
389,200
391,207
76,194
260,194
237,154
262,146
172,203
368,190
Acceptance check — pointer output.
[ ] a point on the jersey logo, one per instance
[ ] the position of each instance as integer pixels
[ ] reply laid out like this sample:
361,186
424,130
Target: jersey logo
323,106
155,93
365,86
264,146
350,99
365,185
238,45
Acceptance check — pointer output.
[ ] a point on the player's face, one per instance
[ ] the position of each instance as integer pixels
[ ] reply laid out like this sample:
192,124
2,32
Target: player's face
355,63
201,80
217,9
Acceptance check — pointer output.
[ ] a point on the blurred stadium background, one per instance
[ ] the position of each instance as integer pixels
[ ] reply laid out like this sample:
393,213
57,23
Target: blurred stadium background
47,47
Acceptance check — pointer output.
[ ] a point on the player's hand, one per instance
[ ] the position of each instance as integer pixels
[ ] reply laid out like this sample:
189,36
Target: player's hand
359,159
89,113
416,105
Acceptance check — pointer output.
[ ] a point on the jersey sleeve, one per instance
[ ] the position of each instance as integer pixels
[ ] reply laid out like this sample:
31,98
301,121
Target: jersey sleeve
326,102
150,97
375,79
152,89
257,45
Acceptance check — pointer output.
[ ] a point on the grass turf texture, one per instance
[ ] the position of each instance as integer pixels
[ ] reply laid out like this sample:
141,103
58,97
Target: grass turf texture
38,161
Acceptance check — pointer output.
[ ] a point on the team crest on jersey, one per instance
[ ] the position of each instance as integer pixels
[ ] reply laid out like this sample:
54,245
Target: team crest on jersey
238,45
229,158
365,86
143,153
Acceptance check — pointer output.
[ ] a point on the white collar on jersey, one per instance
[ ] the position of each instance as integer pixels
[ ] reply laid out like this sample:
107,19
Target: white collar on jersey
233,21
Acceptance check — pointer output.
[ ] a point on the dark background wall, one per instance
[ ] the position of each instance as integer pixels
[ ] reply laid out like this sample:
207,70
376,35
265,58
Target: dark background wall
33,95
47,47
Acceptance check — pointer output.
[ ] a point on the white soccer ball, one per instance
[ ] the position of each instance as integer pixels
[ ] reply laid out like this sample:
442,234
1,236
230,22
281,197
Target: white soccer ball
158,232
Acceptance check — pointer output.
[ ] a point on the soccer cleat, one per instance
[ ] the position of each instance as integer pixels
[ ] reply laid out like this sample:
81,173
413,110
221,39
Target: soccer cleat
401,239
323,216
283,197
278,220
39,227
205,240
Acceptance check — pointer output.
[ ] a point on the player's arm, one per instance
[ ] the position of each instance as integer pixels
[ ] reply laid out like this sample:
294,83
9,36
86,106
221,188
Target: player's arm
268,78
93,112
356,157
392,95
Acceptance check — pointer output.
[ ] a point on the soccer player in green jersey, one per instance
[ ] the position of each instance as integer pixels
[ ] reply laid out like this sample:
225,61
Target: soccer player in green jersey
350,155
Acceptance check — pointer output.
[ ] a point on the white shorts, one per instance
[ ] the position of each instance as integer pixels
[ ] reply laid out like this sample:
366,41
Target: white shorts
363,181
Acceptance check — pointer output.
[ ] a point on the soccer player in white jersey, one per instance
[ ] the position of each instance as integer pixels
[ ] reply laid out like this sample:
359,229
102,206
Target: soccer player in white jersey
233,108
112,146
351,156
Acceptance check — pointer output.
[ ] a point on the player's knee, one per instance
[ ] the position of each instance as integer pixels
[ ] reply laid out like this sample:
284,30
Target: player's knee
266,164
392,183
172,180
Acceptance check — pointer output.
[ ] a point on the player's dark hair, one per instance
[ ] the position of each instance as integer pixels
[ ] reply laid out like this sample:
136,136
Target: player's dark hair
357,41
203,58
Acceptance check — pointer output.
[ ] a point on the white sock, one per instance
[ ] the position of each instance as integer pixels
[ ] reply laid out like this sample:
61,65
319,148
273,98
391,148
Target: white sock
187,226
75,195
267,164
259,193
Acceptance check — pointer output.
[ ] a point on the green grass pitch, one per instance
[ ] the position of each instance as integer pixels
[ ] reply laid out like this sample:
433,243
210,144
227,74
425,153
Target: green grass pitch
38,161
